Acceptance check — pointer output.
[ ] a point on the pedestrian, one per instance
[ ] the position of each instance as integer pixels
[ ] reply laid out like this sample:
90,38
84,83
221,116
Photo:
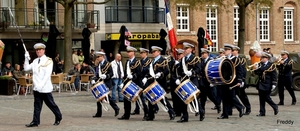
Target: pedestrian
118,74
42,90
80,58
75,59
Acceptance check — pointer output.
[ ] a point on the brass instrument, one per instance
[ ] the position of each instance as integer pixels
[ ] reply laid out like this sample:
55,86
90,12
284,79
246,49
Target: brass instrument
250,67
278,62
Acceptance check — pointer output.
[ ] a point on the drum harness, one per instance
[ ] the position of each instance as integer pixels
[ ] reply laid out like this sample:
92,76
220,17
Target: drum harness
185,70
128,72
152,74
104,70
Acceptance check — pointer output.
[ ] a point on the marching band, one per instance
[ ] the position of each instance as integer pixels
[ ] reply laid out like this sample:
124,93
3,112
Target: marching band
193,79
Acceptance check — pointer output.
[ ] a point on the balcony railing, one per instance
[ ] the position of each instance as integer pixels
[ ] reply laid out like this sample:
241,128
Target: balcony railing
134,14
31,18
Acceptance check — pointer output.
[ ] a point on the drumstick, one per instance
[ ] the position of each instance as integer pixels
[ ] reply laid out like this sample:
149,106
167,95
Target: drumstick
230,88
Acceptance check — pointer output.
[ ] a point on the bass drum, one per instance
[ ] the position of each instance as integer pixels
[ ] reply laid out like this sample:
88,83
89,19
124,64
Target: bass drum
220,71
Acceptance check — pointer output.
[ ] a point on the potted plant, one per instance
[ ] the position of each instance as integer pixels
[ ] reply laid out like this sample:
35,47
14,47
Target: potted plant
7,85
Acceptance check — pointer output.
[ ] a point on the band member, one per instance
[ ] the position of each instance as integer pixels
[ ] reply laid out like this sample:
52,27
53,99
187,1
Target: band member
242,94
133,71
42,69
174,76
204,84
161,70
229,98
145,62
217,91
104,72
267,82
285,77
192,64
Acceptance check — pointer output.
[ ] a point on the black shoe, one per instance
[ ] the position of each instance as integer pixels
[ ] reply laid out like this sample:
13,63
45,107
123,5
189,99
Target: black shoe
148,119
276,111
56,123
202,116
261,115
135,113
218,109
96,115
230,113
123,118
182,120
32,125
172,117
117,112
178,114
223,117
155,111
241,112
247,112
280,103
197,114
293,103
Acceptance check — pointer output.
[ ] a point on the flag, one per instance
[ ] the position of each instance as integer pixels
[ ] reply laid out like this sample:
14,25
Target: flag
127,42
171,32
207,37
127,32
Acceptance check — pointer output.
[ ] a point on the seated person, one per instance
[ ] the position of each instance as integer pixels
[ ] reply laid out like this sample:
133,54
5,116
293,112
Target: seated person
17,72
7,69
76,71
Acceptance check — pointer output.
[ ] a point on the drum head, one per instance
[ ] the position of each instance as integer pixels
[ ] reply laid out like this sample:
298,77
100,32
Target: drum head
227,70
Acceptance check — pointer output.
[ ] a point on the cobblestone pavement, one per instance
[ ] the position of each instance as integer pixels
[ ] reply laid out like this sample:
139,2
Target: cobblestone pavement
78,109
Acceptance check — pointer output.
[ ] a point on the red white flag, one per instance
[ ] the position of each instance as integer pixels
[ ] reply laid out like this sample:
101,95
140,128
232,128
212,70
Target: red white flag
127,32
127,42
171,32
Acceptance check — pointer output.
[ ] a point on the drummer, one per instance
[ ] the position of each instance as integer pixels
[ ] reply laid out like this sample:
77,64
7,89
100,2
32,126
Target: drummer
206,90
133,72
229,96
145,62
160,68
192,63
105,75
174,75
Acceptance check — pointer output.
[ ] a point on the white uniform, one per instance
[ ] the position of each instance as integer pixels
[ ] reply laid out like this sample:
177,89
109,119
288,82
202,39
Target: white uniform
41,73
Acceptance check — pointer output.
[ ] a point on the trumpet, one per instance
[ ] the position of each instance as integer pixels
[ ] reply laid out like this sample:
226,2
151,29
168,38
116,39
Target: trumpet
278,62
250,67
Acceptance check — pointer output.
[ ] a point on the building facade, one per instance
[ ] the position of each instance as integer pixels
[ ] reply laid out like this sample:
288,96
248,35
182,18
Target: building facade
276,27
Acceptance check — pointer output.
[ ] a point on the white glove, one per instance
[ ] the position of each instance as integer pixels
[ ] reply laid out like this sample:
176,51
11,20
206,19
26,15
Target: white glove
157,75
27,56
256,66
93,82
211,85
130,77
188,73
144,81
176,62
242,85
121,86
273,87
177,82
103,76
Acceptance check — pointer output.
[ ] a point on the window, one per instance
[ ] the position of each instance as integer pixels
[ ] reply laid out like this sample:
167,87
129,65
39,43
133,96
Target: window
288,25
235,24
211,26
264,23
182,13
